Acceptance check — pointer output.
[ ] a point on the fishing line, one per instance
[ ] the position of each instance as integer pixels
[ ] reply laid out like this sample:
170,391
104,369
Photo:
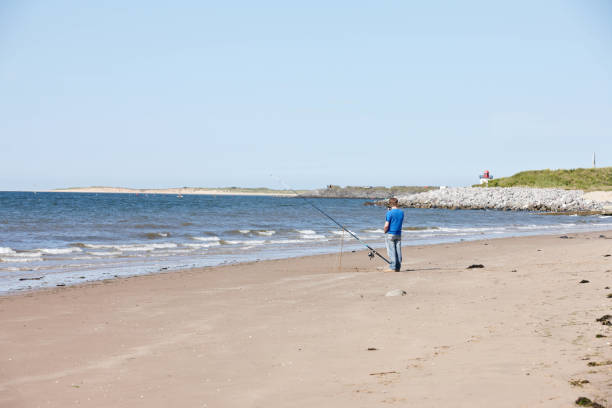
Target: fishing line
372,250
341,250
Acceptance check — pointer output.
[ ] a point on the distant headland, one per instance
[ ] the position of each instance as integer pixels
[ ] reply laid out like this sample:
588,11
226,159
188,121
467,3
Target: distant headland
331,191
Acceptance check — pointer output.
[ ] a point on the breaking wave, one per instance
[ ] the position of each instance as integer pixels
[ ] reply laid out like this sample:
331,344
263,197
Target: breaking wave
206,238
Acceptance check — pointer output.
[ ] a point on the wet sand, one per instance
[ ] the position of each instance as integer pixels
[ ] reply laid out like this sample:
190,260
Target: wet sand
302,333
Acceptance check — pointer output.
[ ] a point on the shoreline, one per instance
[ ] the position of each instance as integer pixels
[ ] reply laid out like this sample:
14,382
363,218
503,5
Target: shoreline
301,332
170,191
61,283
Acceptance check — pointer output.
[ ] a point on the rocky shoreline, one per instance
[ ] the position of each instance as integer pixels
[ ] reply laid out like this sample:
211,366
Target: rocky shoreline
506,199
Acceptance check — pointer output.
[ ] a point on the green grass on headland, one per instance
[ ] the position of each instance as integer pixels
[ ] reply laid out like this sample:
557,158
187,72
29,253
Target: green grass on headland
572,179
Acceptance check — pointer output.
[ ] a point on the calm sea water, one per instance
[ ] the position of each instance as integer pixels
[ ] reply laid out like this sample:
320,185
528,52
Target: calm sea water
64,238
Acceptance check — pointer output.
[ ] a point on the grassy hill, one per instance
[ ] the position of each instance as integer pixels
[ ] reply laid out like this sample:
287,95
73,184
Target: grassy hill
572,179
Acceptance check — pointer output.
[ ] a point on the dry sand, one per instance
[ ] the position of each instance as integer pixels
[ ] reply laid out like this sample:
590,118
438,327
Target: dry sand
297,333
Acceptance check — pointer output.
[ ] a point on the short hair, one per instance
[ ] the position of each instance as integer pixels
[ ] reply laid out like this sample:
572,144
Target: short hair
393,201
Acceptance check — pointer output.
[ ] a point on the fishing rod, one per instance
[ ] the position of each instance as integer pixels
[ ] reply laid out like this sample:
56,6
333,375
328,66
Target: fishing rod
372,250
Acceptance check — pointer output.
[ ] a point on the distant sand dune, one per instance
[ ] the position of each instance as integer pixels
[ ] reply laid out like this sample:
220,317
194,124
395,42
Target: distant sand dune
182,191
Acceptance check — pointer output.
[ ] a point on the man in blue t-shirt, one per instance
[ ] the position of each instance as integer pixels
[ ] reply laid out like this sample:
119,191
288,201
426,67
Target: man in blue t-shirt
393,234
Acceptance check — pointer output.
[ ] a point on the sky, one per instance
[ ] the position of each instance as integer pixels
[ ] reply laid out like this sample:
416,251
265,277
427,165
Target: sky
152,94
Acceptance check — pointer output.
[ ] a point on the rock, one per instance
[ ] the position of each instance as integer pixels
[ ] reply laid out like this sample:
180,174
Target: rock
502,198
396,292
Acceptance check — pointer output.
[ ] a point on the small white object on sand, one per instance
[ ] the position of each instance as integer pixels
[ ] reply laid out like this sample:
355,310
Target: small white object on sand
396,292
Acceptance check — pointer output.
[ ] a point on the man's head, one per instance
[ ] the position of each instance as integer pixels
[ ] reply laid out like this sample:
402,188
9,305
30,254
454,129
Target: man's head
393,202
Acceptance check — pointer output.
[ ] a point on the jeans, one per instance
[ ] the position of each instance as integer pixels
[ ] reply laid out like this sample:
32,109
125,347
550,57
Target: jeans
394,250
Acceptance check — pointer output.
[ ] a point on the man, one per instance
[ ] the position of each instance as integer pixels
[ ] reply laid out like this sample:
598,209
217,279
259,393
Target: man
393,234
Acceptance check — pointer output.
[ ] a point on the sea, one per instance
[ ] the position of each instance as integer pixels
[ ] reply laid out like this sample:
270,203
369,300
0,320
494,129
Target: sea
50,239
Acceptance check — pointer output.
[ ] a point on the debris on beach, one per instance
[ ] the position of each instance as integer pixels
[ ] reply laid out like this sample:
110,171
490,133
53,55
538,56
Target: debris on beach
372,349
605,320
385,373
26,279
596,364
607,255
584,281
578,383
585,402
396,292
473,266
61,284
566,237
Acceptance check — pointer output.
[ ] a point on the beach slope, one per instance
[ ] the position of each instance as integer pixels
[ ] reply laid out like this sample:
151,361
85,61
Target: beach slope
303,333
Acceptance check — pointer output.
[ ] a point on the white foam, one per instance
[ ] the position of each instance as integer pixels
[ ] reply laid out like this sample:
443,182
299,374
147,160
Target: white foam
313,236
341,233
104,253
267,233
6,251
210,244
98,246
164,245
59,251
25,254
179,251
244,231
206,238
306,232
377,231
134,248
19,259
246,242
286,241
145,247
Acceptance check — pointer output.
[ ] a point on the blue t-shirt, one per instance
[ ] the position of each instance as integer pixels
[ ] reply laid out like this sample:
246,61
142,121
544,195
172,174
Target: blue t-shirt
395,218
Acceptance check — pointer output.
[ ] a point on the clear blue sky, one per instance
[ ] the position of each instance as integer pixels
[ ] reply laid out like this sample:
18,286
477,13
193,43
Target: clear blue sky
198,93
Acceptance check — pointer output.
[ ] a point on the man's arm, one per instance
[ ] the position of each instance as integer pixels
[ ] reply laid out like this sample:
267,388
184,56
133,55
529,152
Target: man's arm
386,227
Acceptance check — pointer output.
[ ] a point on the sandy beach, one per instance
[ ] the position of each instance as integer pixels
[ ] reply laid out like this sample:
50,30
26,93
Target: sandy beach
304,332
176,191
